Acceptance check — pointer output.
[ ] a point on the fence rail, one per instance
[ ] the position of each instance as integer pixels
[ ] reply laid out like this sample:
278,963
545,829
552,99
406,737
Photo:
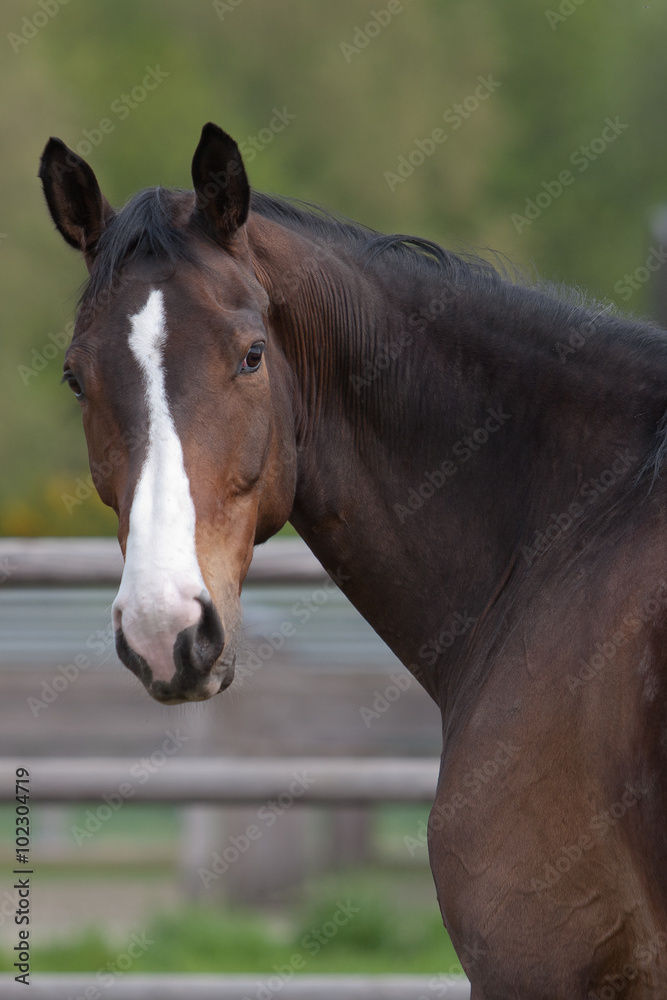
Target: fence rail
163,987
208,780
231,780
71,562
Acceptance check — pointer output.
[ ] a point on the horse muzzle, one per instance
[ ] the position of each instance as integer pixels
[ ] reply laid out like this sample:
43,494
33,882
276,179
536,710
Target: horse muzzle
175,648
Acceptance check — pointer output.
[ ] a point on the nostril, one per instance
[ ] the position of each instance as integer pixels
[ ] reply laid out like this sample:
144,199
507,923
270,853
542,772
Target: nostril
209,638
131,659
199,646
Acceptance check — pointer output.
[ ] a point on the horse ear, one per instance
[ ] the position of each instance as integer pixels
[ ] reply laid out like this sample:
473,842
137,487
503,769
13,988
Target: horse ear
221,185
78,207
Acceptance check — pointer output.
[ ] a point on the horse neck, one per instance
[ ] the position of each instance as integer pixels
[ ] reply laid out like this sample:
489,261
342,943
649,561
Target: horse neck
433,445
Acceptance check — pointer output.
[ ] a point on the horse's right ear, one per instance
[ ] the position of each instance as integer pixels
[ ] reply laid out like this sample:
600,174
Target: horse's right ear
78,207
221,185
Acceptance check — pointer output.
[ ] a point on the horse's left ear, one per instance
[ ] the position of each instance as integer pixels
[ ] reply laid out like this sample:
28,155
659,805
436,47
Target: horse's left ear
78,207
221,185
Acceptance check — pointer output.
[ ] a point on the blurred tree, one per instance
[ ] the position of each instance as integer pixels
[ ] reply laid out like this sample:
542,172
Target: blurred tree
366,86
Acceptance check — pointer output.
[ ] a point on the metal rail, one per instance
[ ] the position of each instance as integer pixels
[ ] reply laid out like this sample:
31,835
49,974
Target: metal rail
73,562
205,987
229,780
232,780
70,562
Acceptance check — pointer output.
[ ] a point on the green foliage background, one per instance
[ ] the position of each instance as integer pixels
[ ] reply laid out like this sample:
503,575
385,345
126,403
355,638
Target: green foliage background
354,118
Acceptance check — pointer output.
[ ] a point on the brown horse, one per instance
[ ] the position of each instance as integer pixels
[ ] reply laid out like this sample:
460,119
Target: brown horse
478,462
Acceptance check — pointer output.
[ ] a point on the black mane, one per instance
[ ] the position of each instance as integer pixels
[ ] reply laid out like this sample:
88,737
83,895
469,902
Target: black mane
145,228
413,253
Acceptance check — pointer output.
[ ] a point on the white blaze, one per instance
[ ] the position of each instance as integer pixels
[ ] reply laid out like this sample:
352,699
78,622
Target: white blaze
161,579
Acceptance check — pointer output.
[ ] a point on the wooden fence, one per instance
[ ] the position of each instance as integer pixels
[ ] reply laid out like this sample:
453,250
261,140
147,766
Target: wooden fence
206,780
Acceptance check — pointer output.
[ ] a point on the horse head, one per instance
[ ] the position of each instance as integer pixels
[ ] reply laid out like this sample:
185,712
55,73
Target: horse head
186,406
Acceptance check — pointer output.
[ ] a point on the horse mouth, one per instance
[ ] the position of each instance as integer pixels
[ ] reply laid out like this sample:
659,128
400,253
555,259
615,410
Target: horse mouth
175,693
189,682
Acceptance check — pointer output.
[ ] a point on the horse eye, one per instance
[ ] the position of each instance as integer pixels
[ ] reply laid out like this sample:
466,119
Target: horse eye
253,359
70,378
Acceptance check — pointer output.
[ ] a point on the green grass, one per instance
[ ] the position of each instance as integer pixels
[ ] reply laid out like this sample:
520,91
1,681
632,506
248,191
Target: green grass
393,925
336,932
148,822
